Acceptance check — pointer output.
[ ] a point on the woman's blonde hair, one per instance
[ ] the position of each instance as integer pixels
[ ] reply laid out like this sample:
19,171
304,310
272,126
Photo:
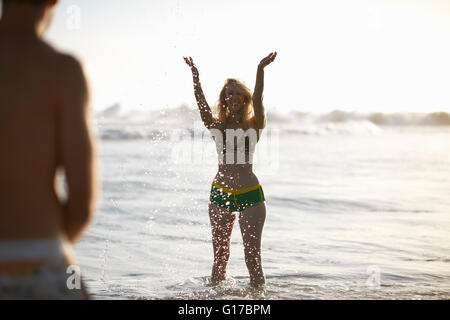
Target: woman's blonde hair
221,109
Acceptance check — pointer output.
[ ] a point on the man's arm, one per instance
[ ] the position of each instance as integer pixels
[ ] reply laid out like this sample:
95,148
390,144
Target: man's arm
76,149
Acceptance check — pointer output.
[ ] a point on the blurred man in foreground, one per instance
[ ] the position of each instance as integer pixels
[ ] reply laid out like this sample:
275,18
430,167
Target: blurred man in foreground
43,127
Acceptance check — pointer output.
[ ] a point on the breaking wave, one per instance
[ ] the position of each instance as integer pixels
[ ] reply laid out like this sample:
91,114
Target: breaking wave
117,122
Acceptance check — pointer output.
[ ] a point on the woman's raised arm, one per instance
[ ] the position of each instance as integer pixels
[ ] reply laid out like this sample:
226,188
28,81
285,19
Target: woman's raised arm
205,110
258,107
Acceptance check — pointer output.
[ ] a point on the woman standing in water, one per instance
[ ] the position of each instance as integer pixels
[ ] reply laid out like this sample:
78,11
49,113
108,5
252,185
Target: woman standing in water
236,188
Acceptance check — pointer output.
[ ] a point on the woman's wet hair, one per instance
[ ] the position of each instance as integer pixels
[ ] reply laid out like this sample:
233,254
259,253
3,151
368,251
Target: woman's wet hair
221,109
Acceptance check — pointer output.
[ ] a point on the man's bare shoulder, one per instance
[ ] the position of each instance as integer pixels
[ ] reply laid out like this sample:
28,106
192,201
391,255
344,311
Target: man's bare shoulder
65,65
60,63
68,72
69,65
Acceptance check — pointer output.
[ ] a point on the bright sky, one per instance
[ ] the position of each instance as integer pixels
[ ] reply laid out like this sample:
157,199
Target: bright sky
364,55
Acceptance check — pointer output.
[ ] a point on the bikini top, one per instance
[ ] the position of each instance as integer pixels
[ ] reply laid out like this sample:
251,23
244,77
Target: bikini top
244,141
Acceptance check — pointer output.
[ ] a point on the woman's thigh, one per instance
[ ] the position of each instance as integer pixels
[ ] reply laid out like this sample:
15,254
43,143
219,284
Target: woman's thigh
222,222
251,222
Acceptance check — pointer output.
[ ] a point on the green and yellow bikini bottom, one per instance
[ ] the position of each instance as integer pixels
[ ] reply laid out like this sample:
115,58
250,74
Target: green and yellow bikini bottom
236,200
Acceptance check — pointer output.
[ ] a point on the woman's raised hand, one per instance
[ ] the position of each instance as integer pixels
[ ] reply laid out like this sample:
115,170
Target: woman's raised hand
267,60
191,64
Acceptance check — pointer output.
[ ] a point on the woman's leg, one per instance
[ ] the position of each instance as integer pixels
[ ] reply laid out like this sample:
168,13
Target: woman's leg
251,221
222,221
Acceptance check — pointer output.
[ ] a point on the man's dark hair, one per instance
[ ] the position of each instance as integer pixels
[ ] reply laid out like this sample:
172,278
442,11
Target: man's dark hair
36,2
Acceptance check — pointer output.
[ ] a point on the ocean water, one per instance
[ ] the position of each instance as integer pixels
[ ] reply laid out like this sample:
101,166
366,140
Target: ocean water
356,209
